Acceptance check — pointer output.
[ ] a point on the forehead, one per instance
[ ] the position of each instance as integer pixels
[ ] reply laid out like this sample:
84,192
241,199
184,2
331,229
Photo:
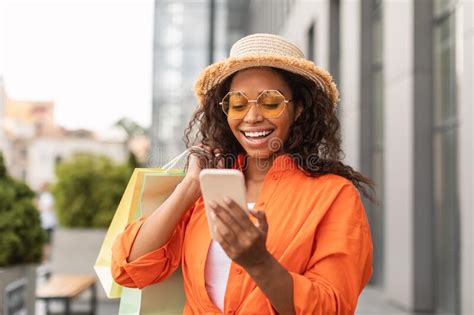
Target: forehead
252,81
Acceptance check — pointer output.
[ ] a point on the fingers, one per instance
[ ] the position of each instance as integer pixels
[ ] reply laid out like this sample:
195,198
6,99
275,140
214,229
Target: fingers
226,215
236,210
208,157
242,244
261,217
220,160
224,233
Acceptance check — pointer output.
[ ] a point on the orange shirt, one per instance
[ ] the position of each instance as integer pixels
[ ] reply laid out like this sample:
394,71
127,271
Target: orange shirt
318,231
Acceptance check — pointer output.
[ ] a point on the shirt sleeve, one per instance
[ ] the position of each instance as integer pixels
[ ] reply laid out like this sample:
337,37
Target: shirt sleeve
341,264
152,267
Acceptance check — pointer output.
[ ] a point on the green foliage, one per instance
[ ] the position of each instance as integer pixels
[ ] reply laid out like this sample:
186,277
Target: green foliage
21,235
131,127
88,190
132,161
3,169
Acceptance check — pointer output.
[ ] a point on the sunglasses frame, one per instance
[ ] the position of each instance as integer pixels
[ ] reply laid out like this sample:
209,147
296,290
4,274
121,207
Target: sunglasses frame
285,101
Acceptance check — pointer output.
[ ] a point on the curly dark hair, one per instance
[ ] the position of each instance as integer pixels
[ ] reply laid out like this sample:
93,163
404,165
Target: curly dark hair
314,140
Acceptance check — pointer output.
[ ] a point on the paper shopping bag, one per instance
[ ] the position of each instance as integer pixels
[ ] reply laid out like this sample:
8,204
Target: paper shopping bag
166,297
146,190
121,218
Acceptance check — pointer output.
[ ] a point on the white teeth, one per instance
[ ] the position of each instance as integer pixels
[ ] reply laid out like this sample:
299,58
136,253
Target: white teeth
257,133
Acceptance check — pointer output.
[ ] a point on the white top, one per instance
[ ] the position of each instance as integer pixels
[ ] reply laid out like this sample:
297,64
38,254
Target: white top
216,271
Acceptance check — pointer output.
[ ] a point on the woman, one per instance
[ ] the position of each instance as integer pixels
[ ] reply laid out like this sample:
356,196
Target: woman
270,113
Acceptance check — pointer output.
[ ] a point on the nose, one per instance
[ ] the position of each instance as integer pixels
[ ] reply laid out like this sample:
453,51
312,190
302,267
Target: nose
253,115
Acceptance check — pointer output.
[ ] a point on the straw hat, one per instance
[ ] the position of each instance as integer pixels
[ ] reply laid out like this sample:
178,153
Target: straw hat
264,50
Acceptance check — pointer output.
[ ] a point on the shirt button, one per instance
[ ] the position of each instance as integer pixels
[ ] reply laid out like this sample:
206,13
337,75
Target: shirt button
238,270
261,203
230,312
274,177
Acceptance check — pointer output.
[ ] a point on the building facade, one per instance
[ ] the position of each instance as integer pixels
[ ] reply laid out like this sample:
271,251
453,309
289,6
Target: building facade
33,144
43,154
405,70
181,50
2,110
188,36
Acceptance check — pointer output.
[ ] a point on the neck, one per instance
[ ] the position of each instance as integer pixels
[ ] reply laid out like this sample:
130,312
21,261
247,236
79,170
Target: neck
257,168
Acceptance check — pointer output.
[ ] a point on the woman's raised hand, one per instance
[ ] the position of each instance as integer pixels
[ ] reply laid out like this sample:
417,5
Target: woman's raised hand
200,157
242,240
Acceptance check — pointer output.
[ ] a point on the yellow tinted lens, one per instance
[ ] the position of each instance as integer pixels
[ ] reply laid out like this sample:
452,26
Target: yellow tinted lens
271,103
237,104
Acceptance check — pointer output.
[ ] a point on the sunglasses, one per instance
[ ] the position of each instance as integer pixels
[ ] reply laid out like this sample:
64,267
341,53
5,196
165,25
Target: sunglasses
270,103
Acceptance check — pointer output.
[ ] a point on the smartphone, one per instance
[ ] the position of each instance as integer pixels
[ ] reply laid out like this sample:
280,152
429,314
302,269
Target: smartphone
217,183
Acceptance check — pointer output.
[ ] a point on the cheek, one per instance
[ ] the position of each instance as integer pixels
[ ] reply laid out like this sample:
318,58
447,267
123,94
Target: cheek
233,126
285,121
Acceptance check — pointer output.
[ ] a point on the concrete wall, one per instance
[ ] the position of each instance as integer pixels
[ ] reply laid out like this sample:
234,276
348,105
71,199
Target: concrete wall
12,274
74,251
302,15
408,97
398,77
350,81
466,154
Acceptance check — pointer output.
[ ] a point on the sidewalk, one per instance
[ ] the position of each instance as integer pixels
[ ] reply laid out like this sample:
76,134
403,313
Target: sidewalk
371,302
110,307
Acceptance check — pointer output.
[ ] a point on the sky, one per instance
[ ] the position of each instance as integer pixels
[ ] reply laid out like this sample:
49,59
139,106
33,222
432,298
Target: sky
93,59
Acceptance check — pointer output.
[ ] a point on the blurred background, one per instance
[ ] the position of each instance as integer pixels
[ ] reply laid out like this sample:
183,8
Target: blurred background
91,90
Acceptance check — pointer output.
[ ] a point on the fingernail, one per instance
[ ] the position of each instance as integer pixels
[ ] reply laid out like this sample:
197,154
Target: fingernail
227,200
212,204
212,214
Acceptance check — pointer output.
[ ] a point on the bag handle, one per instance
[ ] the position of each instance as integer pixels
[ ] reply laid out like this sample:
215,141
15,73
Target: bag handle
172,163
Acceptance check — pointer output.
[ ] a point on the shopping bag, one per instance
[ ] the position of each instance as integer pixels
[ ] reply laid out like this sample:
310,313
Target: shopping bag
146,190
166,297
121,218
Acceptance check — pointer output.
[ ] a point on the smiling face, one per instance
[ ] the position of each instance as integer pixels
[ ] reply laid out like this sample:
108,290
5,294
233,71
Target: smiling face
260,136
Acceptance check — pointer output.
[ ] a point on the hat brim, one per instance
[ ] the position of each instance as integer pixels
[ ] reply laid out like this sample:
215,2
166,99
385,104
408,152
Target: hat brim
216,73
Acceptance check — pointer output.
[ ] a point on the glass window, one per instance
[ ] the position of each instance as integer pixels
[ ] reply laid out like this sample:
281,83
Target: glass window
375,102
442,6
378,109
310,42
377,36
445,81
445,190
334,40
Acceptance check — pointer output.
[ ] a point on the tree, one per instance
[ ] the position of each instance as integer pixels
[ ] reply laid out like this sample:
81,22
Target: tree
131,127
88,190
21,235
